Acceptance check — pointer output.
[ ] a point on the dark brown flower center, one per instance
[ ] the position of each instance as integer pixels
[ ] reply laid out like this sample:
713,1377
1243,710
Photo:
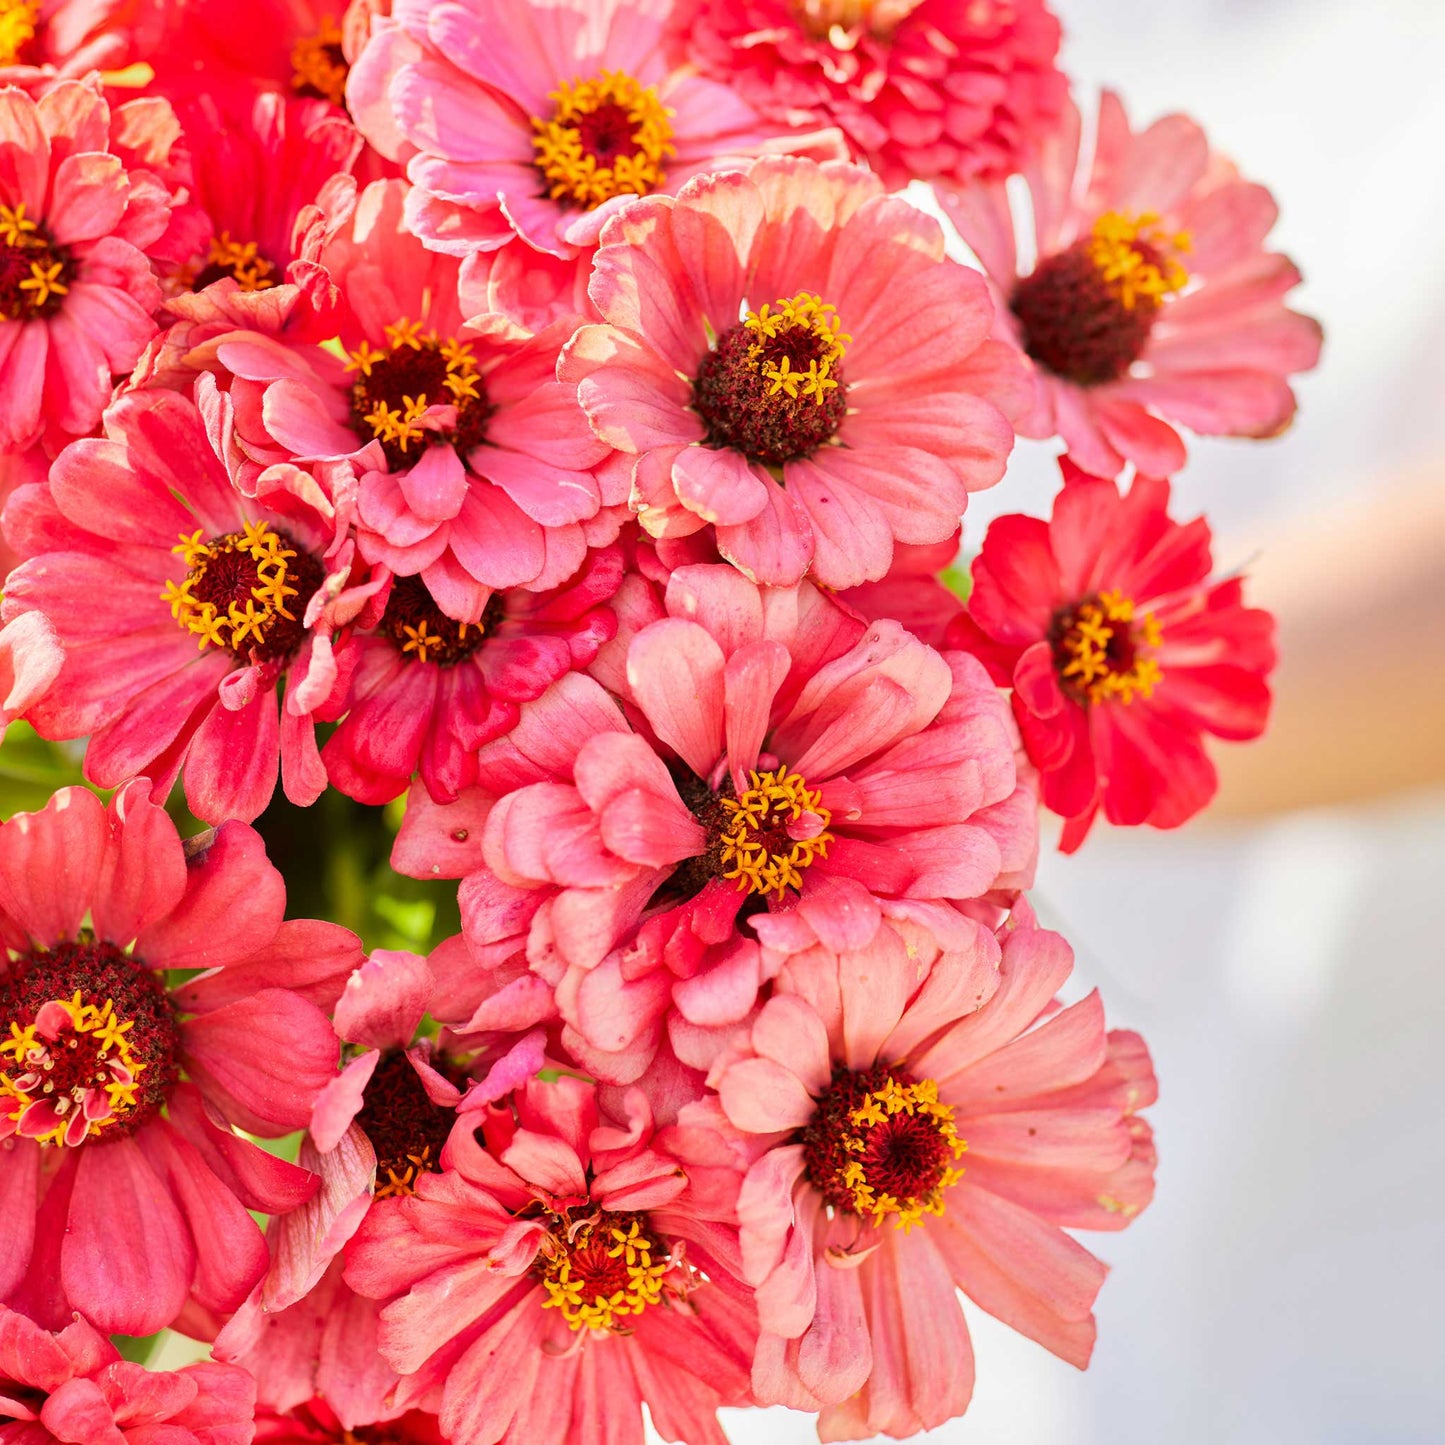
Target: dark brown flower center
424,633
89,1044
241,261
394,389
1103,652
772,388
406,1129
602,1271
36,273
882,1146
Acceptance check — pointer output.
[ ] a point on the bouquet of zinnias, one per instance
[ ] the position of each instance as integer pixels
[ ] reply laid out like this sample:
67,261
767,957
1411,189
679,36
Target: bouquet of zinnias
559,415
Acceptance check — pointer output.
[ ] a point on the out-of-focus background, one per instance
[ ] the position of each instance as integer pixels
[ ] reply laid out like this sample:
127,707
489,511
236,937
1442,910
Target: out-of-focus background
1285,955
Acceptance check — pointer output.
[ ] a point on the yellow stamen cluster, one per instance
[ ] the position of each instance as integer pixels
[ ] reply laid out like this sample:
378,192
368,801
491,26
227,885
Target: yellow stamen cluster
424,642
1134,257
812,315
839,21
402,425
631,1259
28,1051
18,22
402,1174
1089,669
775,799
919,1101
20,233
317,64
253,272
268,599
567,163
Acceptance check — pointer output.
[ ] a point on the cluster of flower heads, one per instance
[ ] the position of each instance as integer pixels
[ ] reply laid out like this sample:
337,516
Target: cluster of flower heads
556,415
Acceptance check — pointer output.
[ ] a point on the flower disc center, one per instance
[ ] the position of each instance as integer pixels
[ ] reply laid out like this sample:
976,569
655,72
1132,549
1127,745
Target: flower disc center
407,1131
19,21
422,632
242,261
602,1272
89,1044
1103,652
35,273
318,64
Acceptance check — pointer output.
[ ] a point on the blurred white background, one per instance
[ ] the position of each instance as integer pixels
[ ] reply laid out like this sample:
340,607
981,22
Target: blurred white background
1285,957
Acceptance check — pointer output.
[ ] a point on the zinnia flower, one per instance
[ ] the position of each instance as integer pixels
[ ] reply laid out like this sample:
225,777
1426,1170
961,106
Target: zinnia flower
122,1182
1152,301
921,88
74,1385
1121,653
776,750
181,604
314,1422
540,123
563,1271
791,358
922,1121
77,226
427,692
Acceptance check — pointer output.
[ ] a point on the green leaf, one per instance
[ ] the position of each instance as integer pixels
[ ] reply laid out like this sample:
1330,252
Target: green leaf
136,1348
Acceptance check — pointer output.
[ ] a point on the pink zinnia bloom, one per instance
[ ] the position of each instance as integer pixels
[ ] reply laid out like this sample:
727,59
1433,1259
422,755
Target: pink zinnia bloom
911,592
375,1129
314,1422
479,470
1121,653
541,123
562,1271
1151,300
920,1121
45,40
427,692
78,224
771,750
181,605
791,358
122,1182
921,88
74,1385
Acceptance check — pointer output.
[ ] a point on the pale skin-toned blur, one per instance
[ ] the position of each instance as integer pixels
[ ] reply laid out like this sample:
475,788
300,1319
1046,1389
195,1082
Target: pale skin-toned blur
1359,711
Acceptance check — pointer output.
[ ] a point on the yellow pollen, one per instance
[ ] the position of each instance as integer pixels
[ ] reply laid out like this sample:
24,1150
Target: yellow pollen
269,596
45,282
775,799
317,63
1082,652
1135,257
16,228
29,1057
401,1175
251,270
592,111
402,425
423,641
919,1101
18,22
603,1272
815,318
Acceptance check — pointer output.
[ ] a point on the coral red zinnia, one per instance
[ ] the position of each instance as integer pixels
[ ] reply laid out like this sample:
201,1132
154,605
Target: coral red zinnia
1121,653
1151,303
122,1182
792,359
920,1121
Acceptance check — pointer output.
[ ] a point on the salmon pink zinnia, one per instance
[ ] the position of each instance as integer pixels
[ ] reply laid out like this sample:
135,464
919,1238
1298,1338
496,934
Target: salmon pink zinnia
1121,653
792,359
921,1120
1151,302
123,1184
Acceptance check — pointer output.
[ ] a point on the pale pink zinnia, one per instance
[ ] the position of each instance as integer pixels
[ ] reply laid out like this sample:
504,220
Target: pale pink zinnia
563,1270
73,1385
772,749
921,88
123,1184
540,122
182,606
921,1120
78,226
1145,296
791,358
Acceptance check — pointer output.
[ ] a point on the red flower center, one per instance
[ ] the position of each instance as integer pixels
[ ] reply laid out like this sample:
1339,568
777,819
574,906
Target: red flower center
604,1270
245,591
882,1146
1086,313
395,389
90,1044
607,137
424,633
772,388
407,1131
1103,652
318,64
242,261
36,273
